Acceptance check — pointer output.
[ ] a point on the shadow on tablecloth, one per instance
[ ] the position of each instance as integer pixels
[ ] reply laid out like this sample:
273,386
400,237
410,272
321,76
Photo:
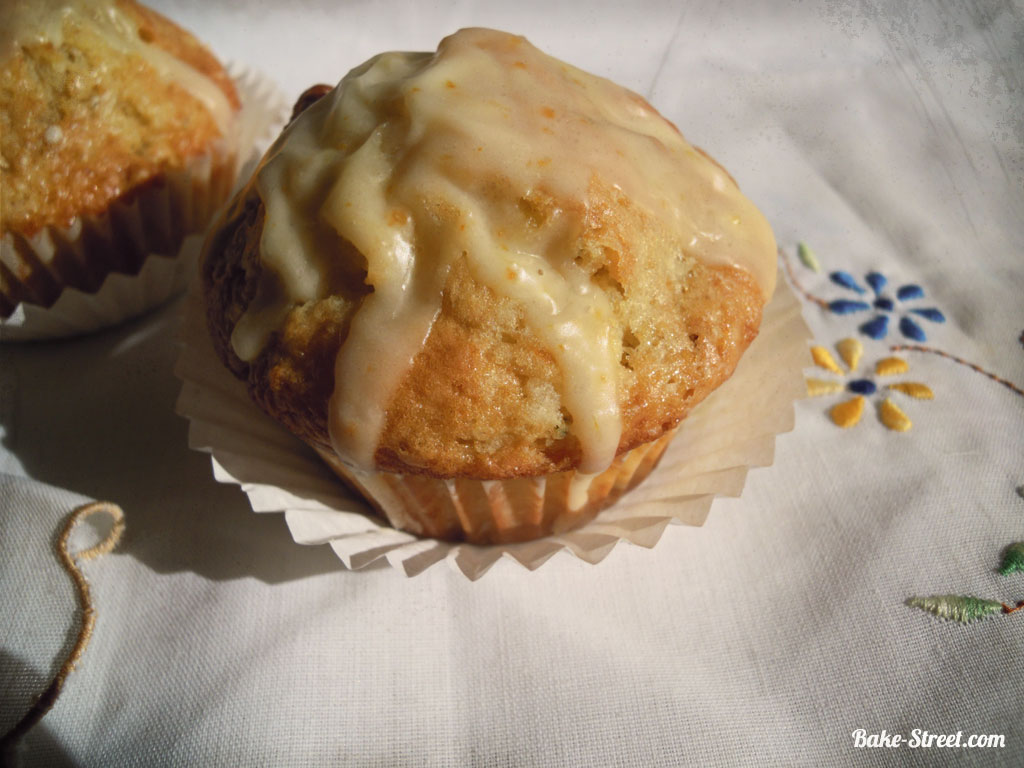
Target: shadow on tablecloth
95,415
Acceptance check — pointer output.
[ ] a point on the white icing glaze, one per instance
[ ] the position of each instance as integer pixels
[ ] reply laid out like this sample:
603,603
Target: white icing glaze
579,490
422,159
27,22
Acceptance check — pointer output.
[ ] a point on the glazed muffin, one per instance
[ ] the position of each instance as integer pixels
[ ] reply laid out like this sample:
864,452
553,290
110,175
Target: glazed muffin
117,140
485,286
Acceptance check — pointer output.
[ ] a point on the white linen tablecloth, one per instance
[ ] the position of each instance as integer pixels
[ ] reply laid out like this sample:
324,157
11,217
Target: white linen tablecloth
887,137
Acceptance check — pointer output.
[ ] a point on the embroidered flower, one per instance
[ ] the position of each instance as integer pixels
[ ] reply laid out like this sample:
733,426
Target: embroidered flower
848,413
885,305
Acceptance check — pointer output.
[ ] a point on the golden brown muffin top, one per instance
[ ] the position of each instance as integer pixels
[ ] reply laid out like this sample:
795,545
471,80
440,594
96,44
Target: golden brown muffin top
494,249
96,98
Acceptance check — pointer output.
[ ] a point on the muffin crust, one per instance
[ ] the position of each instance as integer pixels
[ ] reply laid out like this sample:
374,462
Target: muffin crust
516,305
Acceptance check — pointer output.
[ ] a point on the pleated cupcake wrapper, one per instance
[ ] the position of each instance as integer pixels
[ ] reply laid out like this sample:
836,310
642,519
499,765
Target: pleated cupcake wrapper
139,253
732,431
500,511
99,262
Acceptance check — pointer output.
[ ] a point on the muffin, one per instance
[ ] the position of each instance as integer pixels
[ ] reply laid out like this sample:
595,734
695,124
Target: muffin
117,140
484,286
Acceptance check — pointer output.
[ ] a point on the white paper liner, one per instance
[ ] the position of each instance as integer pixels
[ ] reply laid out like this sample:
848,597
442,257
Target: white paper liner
161,277
500,511
731,431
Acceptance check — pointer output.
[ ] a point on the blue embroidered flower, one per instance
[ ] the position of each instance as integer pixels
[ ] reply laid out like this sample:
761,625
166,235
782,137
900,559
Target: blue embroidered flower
885,305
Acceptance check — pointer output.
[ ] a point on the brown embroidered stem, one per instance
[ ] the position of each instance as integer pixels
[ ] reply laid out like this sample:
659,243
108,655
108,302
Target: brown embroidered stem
796,283
49,697
1017,607
919,348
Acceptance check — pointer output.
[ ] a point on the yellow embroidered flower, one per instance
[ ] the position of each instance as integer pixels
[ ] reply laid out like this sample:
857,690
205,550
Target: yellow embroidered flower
849,412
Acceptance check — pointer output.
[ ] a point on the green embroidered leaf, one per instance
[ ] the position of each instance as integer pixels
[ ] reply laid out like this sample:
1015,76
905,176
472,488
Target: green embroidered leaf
807,257
1013,559
1020,491
956,607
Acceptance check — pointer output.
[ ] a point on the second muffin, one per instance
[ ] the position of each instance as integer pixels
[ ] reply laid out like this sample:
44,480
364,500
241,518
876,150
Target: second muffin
117,137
